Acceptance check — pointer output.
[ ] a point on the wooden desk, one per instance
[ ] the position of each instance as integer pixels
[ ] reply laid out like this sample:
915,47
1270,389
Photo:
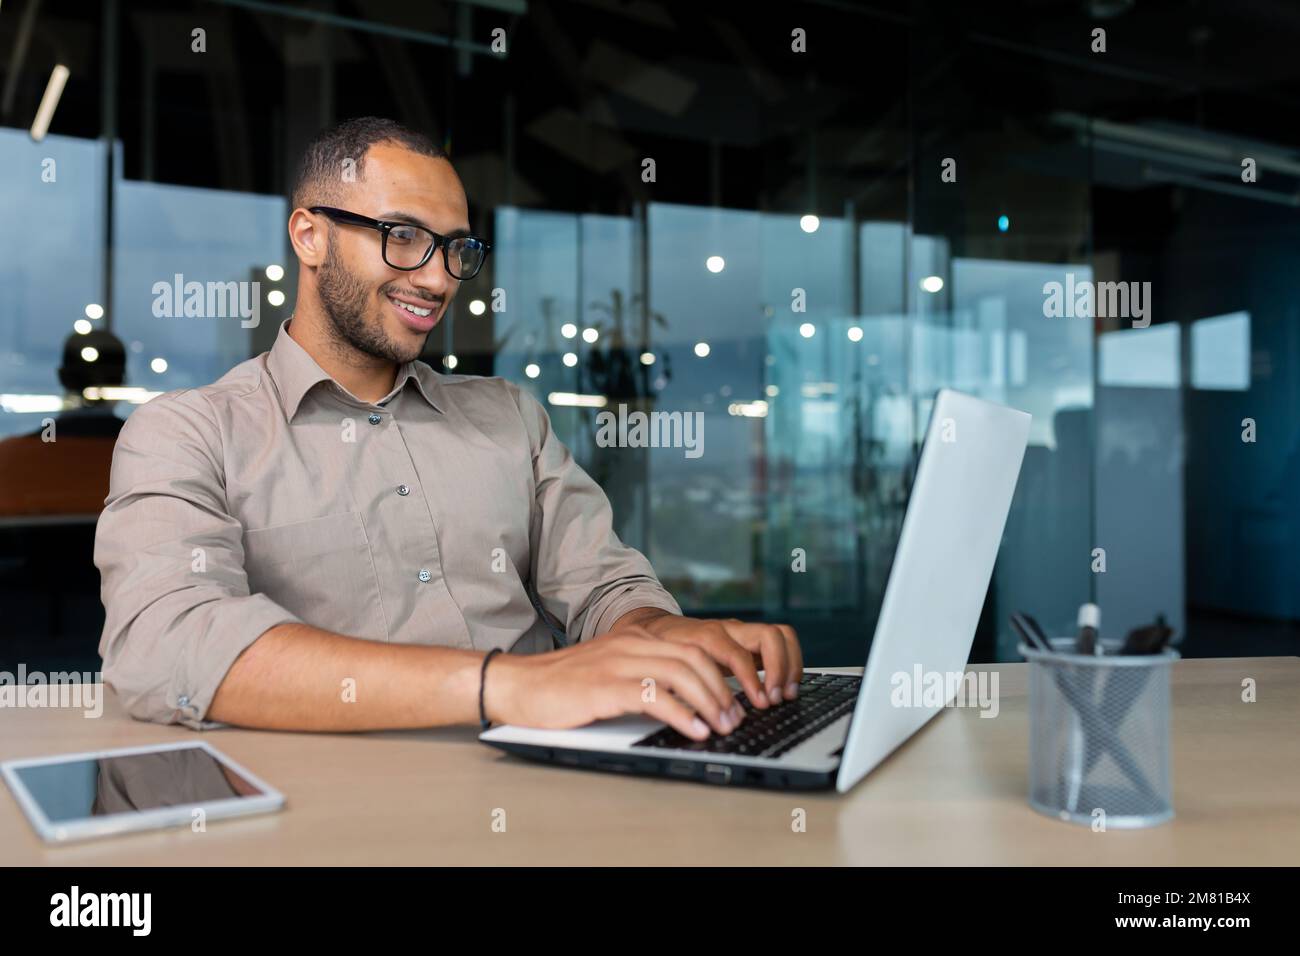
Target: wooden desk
954,794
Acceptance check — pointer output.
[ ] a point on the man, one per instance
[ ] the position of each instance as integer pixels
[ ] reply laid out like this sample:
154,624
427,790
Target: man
332,535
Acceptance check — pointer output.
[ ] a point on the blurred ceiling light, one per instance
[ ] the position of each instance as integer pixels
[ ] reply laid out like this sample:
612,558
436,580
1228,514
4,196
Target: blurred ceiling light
647,358
568,330
275,297
590,335
932,283
570,359
89,353
477,306
855,333
94,311
702,349
159,365
809,223
1179,145
82,327
532,370
757,409
450,361
20,404
275,273
574,398
715,263
807,330
49,102
119,393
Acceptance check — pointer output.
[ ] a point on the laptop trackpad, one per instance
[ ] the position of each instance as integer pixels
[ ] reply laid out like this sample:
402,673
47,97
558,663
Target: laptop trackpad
603,734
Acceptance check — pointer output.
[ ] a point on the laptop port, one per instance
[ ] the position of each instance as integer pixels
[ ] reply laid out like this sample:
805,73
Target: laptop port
717,773
681,768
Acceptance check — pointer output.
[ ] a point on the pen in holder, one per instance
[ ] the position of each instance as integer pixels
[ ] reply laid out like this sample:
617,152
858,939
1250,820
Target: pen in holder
1099,735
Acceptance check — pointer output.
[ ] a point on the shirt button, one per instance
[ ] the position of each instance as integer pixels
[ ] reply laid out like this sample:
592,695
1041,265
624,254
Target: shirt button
182,701
425,576
403,490
375,418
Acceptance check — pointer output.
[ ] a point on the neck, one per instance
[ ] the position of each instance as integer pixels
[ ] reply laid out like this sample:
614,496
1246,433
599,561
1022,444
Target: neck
366,377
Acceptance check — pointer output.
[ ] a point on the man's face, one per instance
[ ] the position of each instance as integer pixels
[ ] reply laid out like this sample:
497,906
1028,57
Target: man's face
367,302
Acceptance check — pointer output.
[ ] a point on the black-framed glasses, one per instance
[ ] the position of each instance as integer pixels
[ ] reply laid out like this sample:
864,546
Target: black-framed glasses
407,247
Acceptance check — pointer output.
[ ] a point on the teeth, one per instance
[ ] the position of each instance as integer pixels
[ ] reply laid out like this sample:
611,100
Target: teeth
414,310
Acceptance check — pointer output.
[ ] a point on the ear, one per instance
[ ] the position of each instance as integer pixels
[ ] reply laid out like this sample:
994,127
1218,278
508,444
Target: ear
308,236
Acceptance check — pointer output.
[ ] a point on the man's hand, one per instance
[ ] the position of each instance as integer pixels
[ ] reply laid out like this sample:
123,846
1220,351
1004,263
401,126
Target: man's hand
737,646
630,672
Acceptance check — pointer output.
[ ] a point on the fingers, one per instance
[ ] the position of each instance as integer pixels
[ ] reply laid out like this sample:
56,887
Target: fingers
688,672
675,714
698,659
777,646
775,662
727,651
689,665
794,659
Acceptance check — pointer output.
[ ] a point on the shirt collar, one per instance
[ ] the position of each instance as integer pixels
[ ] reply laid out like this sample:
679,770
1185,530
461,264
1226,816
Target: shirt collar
295,372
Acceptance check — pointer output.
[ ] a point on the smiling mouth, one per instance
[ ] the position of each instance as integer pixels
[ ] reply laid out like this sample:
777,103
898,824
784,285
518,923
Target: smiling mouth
413,309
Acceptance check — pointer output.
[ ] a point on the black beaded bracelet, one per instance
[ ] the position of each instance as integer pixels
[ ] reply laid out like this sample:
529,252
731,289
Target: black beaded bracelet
482,677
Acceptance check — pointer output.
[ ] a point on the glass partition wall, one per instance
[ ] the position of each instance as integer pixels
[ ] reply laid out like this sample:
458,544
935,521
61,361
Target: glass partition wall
780,252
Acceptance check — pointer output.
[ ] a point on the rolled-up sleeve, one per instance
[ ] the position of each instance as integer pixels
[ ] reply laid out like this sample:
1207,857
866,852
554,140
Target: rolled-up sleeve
178,611
582,571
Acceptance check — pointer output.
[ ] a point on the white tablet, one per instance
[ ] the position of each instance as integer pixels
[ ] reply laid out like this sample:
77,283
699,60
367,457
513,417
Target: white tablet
101,793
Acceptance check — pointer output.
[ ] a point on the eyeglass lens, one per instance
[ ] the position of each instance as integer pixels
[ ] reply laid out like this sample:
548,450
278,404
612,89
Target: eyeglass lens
408,245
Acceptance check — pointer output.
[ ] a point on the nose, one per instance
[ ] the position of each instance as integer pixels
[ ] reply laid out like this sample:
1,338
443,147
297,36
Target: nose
433,277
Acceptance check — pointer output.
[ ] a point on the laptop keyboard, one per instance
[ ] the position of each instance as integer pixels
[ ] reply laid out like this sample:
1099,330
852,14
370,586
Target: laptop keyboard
823,699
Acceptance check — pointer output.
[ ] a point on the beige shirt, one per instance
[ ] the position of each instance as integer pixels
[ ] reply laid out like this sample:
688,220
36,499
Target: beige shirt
274,495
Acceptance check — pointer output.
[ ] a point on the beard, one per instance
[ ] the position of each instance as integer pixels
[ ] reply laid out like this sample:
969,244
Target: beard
345,300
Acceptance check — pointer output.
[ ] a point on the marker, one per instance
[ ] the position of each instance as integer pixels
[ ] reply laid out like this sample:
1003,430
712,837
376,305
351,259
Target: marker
1030,632
1089,625
1148,640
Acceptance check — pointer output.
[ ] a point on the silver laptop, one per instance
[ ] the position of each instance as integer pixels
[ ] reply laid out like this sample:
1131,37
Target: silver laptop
841,727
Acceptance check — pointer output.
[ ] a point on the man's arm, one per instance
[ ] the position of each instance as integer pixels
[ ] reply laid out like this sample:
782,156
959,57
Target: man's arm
289,680
582,571
299,677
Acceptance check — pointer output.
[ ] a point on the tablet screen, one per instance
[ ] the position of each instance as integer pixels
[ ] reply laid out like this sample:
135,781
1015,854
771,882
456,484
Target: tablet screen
78,789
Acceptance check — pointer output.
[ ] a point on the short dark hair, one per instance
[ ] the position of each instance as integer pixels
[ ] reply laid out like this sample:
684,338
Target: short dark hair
321,171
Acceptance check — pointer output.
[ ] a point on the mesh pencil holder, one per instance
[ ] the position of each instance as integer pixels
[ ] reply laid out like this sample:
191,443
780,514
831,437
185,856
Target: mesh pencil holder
1099,736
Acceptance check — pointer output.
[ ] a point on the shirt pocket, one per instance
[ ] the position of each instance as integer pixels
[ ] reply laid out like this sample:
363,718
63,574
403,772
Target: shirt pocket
320,570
